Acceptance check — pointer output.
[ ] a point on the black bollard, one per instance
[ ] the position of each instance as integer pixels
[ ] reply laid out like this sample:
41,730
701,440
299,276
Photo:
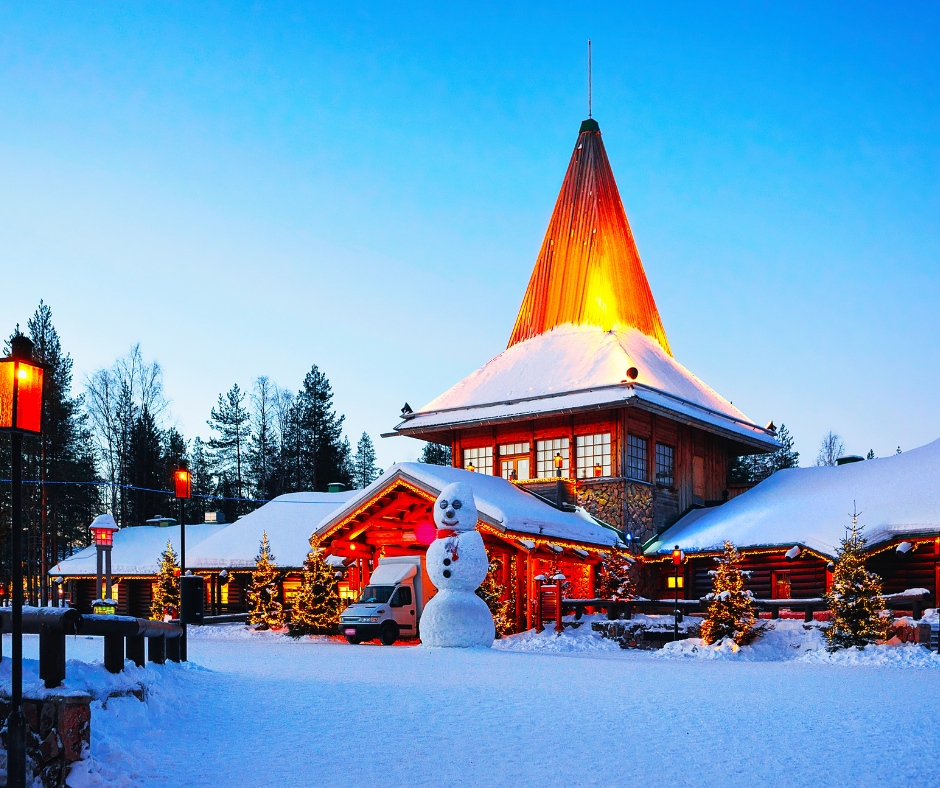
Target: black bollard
135,650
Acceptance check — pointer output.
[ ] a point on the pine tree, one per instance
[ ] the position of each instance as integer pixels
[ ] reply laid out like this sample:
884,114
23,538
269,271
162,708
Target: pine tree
321,456
490,591
166,588
853,598
616,580
317,605
266,611
731,612
435,454
364,470
870,455
757,467
231,421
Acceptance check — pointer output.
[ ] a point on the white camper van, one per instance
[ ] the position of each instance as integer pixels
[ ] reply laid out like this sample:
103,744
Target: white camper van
389,608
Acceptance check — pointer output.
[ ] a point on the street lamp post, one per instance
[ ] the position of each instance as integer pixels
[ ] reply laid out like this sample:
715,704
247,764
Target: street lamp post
20,414
676,562
184,490
102,531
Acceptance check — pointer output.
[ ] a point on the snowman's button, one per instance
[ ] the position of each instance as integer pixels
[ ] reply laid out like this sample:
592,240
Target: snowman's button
447,573
446,562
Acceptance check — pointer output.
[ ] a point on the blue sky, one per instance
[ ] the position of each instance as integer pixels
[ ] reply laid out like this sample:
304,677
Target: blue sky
250,190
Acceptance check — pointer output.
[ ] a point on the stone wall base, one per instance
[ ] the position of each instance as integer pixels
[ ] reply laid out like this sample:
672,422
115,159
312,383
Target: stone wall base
58,733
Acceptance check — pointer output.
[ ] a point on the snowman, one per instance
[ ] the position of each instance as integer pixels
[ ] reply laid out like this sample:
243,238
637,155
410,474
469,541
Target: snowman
457,564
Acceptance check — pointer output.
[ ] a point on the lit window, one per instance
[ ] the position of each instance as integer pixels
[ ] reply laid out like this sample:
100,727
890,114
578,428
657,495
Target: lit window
671,581
514,461
481,459
545,452
665,465
636,458
593,453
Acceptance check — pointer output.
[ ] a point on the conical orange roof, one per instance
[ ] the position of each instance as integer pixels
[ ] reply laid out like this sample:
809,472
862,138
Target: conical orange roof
588,271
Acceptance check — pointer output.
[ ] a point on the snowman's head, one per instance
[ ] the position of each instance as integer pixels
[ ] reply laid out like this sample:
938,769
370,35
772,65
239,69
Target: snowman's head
455,509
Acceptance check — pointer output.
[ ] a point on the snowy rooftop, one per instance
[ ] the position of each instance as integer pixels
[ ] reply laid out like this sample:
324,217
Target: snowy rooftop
578,368
137,550
499,503
289,520
896,495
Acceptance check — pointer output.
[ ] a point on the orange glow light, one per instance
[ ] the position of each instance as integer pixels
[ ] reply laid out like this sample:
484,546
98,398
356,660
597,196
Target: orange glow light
183,484
588,271
22,382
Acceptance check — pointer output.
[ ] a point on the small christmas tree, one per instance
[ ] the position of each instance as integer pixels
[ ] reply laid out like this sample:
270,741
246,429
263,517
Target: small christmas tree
317,605
266,611
503,610
166,589
731,612
853,597
616,576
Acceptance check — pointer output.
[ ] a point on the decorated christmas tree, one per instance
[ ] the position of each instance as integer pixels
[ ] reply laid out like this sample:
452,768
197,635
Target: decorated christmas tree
503,610
731,612
266,611
317,605
853,597
166,588
616,576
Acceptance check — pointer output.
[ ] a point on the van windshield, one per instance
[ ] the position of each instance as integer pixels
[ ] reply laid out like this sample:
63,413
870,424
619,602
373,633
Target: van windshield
379,594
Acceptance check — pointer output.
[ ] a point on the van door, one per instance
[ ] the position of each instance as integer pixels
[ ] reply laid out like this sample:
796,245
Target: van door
403,611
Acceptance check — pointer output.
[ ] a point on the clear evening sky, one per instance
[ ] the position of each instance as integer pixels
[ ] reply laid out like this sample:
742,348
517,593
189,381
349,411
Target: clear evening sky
254,190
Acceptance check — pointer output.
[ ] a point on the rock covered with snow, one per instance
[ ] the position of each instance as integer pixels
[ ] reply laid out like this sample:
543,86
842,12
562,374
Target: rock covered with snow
457,565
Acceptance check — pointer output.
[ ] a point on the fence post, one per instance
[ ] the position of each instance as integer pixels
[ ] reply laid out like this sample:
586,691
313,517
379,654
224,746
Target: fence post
157,648
173,649
808,613
559,627
114,653
917,612
51,657
135,649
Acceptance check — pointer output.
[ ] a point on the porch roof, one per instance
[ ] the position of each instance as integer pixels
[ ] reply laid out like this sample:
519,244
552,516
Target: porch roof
500,504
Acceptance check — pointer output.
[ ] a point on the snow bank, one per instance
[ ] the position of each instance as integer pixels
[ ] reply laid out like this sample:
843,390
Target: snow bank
793,641
548,641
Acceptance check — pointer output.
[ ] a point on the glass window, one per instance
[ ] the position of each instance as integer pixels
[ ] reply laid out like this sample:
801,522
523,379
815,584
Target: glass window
671,581
545,452
636,458
514,461
403,595
481,458
593,455
665,465
380,594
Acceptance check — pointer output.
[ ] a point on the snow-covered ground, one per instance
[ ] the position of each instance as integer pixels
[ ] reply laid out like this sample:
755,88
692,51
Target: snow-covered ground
261,709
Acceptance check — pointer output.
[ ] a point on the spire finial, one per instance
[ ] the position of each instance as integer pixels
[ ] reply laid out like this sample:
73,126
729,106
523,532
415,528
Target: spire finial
589,78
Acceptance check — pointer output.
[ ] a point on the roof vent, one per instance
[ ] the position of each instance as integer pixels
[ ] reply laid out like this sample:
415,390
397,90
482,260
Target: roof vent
904,547
161,521
793,553
848,459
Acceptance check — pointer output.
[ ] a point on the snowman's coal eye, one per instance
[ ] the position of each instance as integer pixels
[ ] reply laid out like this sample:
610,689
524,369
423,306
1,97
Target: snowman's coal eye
456,504
443,504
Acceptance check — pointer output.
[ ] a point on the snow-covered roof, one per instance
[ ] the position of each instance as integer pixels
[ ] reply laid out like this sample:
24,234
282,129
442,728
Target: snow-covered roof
896,496
499,503
137,550
289,520
580,368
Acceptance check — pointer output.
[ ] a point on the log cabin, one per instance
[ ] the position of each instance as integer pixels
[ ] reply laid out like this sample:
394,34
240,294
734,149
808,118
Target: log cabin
788,529
587,405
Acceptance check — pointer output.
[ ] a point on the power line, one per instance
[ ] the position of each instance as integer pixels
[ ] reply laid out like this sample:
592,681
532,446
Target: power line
159,492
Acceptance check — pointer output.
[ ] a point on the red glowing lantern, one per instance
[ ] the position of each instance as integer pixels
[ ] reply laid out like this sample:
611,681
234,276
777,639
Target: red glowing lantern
677,556
20,389
470,467
184,483
598,470
558,462
102,530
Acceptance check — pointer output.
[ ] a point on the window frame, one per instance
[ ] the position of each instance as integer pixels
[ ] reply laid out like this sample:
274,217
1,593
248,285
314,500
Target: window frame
634,460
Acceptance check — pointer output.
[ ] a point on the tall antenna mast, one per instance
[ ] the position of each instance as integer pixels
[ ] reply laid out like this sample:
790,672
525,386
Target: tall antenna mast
589,77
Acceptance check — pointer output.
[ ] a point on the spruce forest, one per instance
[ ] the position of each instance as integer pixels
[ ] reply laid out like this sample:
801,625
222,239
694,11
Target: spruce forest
108,445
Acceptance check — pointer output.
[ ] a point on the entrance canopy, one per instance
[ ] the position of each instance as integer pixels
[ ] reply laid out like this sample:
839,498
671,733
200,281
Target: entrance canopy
396,511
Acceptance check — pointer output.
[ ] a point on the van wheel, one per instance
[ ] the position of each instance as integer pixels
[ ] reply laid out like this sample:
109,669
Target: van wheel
389,634
352,639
